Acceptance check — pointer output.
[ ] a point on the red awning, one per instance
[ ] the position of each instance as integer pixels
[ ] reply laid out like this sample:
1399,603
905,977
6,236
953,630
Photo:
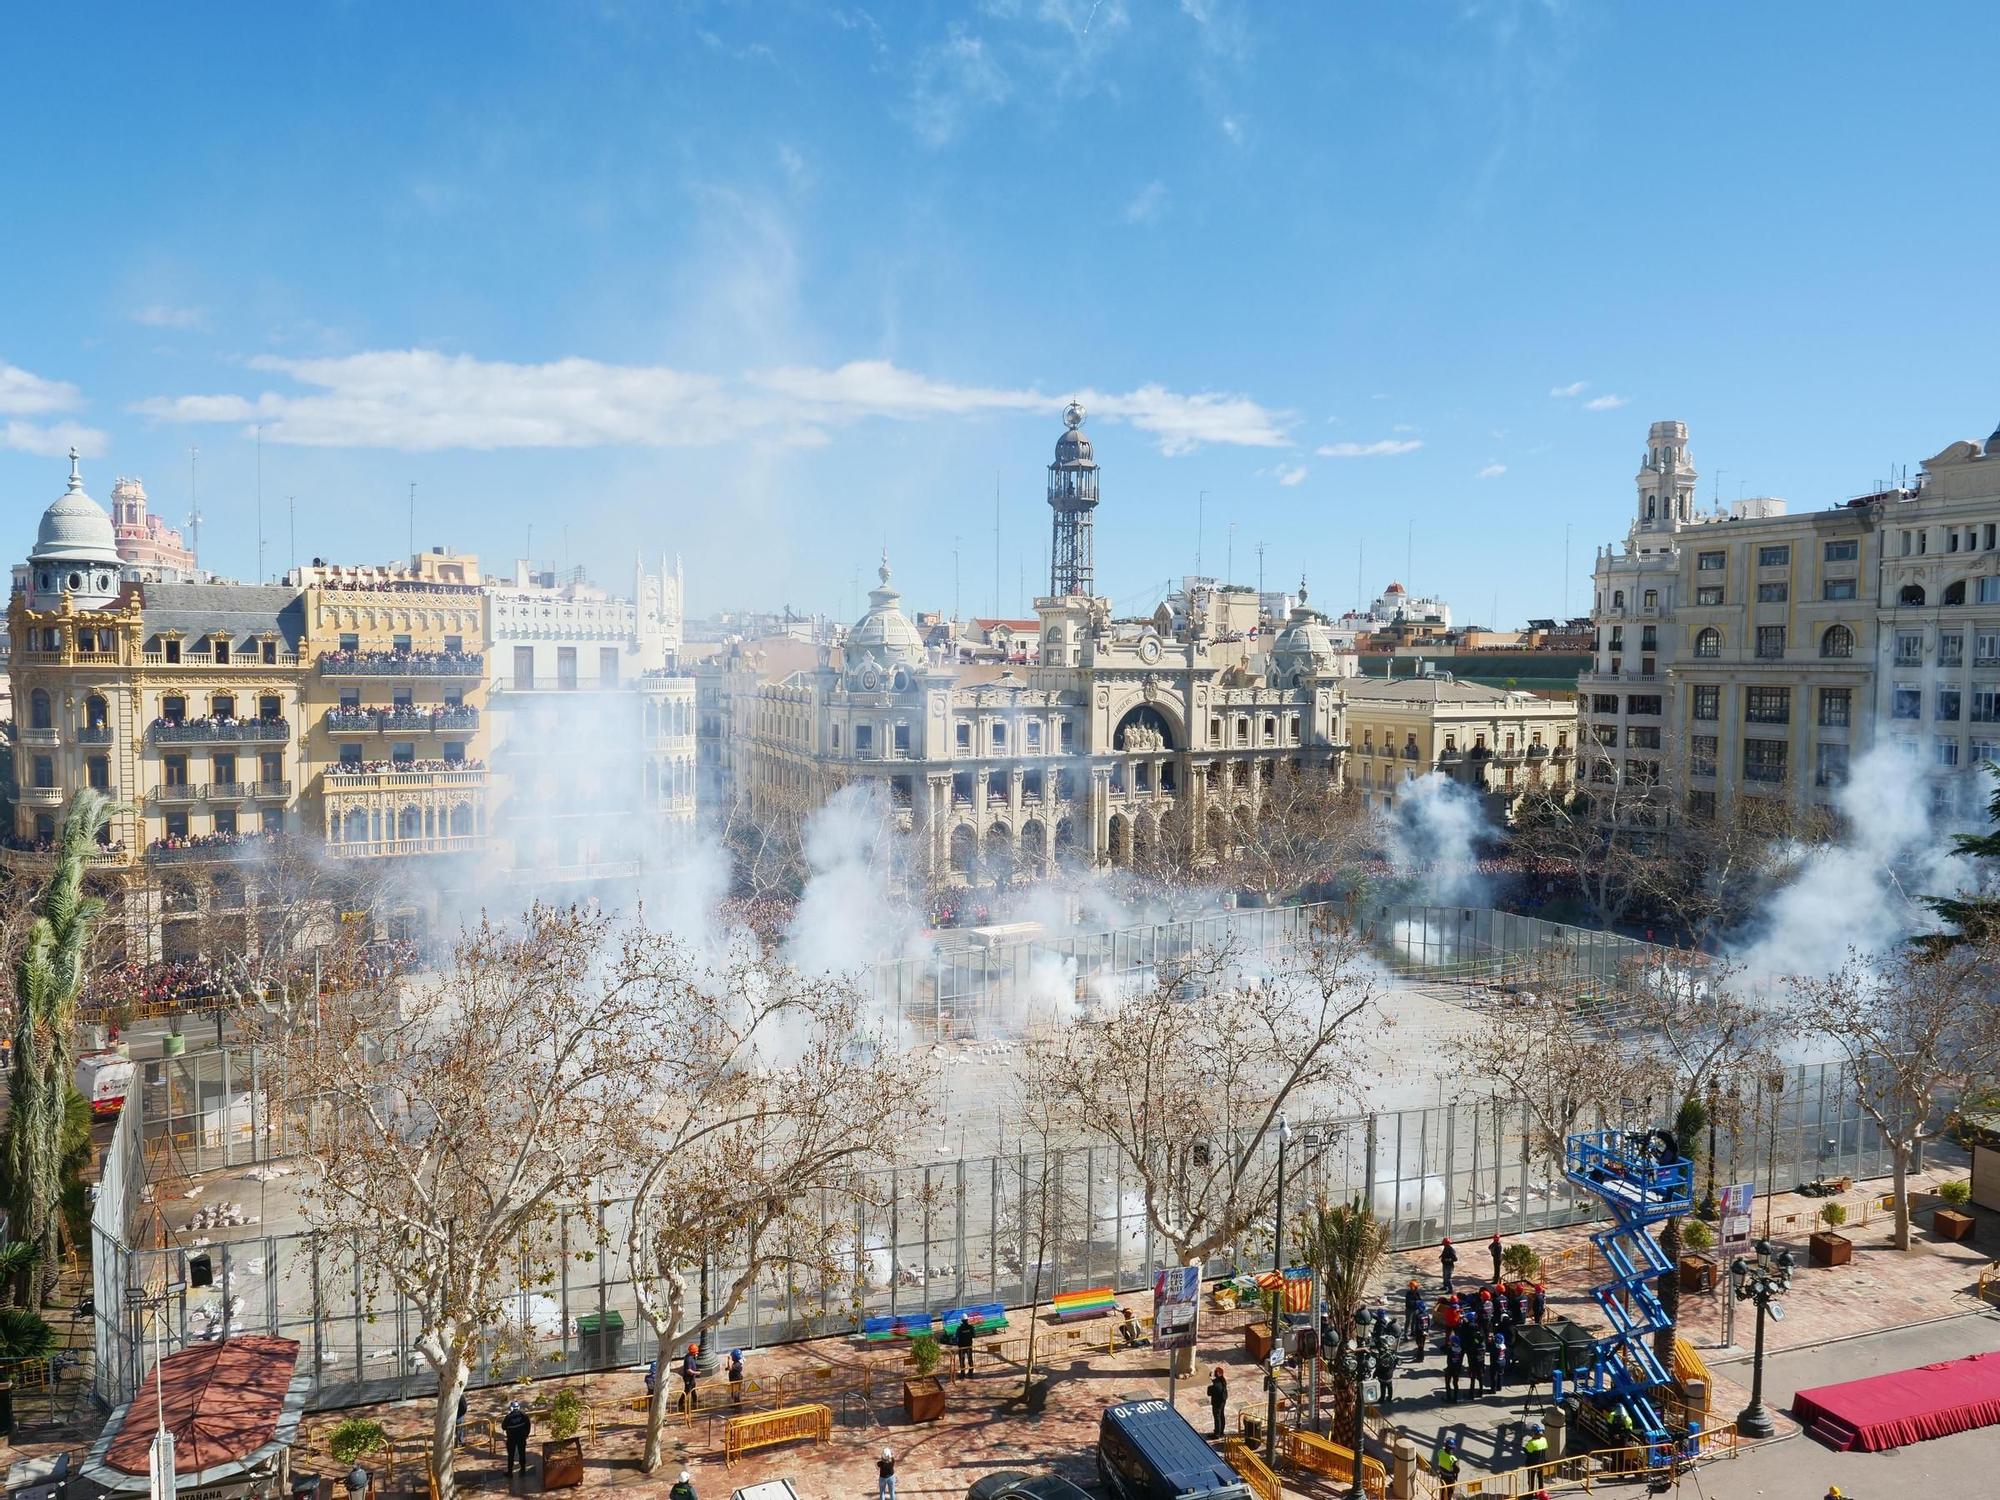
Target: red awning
222,1403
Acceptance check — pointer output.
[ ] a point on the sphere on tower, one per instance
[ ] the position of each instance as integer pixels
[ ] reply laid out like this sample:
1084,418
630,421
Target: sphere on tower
1072,496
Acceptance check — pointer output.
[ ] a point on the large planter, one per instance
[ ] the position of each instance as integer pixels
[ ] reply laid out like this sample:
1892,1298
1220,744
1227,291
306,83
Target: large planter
1951,1224
923,1398
1825,1248
1257,1342
1697,1273
173,1044
562,1463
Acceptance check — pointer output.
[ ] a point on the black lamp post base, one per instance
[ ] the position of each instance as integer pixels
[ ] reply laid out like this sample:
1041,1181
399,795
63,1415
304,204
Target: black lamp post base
1754,1421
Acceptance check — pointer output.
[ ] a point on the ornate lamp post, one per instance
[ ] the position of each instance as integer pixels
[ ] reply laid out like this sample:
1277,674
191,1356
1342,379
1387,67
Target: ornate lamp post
1762,1281
1277,1305
1371,1354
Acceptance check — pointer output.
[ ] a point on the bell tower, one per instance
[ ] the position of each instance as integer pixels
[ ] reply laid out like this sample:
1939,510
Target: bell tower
1666,479
1073,498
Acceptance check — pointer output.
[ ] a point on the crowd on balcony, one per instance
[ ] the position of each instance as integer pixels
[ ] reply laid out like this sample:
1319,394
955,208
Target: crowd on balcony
202,979
21,845
183,842
400,586
404,716
216,724
383,767
413,663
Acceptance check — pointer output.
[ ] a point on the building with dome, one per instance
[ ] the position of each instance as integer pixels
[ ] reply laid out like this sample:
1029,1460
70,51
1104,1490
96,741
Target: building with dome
1121,733
152,550
1396,607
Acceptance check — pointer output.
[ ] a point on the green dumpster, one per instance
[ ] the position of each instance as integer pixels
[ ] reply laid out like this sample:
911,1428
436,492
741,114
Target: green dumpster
598,1336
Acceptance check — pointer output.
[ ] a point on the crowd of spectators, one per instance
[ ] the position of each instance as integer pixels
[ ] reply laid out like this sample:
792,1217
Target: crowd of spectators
404,716
404,663
175,980
49,846
188,841
213,723
381,767
400,586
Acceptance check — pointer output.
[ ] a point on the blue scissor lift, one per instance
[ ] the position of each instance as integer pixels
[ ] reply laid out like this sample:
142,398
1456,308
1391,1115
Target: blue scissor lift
1644,1181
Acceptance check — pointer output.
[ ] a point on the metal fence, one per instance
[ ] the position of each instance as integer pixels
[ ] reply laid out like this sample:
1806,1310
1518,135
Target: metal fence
1000,1228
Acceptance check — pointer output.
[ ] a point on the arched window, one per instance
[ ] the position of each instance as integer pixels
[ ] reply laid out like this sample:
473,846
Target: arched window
40,715
410,822
94,712
1708,643
1837,642
461,820
1912,595
1618,599
1954,593
356,829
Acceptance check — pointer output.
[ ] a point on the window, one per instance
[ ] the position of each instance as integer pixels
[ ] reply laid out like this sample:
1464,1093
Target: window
1986,646
999,736
1642,772
1836,588
41,715
1708,643
95,713
1701,806
269,709
1770,642
1985,752
1709,562
274,820
1707,702
1946,752
1954,593
1906,702
1829,765
173,652
524,668
1649,638
1764,760
1951,648
1767,705
1604,734
1708,594
864,738
902,739
1618,599
223,769
1603,703
403,754
1034,732
1701,754
1911,596
97,772
45,770
268,652
223,706
1652,598
607,662
220,651
350,755
225,821
400,644
177,823
456,643
1067,731
1647,704
1643,738
1846,551
1617,637
1773,593
271,767
1773,557
1946,706
566,666
1909,645
1837,642
962,734
1834,706
1989,590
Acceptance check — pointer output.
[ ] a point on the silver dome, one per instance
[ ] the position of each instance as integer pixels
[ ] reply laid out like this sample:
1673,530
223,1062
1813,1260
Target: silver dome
75,528
885,632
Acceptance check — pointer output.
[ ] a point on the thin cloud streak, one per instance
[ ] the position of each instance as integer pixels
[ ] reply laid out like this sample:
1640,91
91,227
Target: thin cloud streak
1381,448
424,400
1604,403
1492,471
1574,388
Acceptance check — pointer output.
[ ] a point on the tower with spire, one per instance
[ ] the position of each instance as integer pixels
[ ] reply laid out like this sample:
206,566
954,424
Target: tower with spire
1073,499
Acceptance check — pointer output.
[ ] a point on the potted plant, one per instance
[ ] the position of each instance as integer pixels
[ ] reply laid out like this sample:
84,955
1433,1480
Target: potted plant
354,1439
1950,1221
562,1454
1824,1247
1697,1268
923,1393
1258,1338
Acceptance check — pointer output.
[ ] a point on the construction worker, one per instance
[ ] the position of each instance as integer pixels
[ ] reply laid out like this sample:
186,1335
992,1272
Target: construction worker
1496,1364
1454,1364
1535,1448
1447,1260
1538,1302
1445,1461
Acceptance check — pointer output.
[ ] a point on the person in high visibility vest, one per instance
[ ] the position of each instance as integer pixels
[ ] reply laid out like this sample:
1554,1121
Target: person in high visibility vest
1535,1449
1445,1461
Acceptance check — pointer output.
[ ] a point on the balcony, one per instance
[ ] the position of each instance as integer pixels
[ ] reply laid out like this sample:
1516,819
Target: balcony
402,720
24,858
447,843
217,731
279,661
225,791
41,796
379,776
178,792
94,734
270,791
209,846
401,664
48,734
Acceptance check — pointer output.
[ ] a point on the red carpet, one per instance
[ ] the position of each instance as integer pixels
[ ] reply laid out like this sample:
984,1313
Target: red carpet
1890,1411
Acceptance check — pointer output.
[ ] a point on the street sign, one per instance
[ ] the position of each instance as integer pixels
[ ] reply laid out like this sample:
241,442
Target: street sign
1176,1302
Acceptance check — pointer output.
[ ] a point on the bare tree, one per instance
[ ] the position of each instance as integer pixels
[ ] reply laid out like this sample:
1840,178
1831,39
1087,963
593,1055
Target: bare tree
1305,833
1187,1079
1704,877
1599,834
774,1087
453,1120
1562,1065
1916,1029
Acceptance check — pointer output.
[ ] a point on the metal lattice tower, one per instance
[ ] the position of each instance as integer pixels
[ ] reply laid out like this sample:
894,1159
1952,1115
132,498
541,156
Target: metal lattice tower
1644,1180
1073,498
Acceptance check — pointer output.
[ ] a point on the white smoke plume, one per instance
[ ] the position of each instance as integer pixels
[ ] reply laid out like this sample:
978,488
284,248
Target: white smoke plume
1432,838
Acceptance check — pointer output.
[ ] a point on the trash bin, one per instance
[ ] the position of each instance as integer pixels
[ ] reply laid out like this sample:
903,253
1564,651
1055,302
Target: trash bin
598,1336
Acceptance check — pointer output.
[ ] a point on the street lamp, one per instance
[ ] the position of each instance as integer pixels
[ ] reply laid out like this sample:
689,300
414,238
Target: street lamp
1277,1305
1370,1354
1762,1281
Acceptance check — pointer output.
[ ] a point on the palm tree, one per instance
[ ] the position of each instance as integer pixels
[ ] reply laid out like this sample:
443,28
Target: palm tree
1344,1243
48,977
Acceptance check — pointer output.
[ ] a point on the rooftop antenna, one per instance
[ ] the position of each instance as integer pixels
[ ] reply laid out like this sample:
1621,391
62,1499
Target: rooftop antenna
1566,594
1229,557
260,502
1409,554
413,525
194,509
954,580
292,516
1200,514
1260,573
996,544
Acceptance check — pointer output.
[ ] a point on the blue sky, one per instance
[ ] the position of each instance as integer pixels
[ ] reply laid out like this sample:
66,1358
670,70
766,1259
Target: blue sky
774,285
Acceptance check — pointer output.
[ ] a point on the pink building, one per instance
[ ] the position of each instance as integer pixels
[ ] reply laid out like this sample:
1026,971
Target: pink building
143,541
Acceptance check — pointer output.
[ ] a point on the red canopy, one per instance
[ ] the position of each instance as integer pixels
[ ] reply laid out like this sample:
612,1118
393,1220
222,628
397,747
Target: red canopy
222,1403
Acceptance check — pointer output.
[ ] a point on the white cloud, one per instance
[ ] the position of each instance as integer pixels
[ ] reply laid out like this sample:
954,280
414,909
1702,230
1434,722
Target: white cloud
423,400
1290,474
1232,129
163,315
23,394
1406,427
1574,388
1380,448
951,80
1492,471
53,441
1604,403
1145,205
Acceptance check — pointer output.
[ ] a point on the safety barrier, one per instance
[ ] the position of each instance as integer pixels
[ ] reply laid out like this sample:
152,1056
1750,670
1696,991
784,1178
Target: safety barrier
1252,1469
1989,1282
1689,1368
1318,1455
1587,1470
785,1425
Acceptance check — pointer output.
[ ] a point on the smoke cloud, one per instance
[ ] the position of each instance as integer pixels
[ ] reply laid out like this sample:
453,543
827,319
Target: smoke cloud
1432,837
